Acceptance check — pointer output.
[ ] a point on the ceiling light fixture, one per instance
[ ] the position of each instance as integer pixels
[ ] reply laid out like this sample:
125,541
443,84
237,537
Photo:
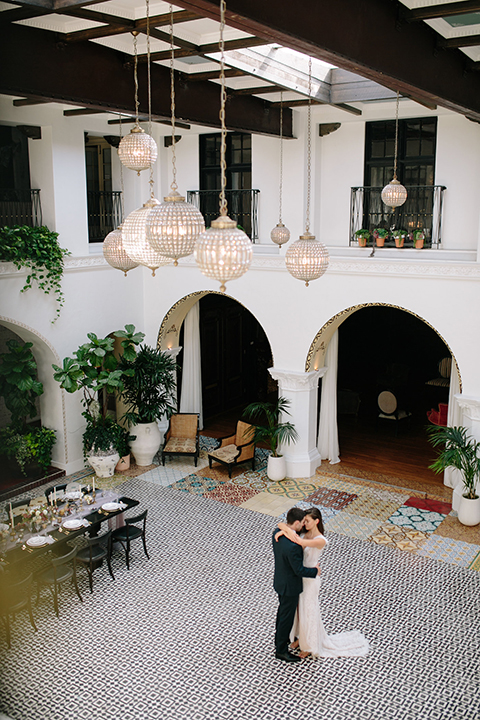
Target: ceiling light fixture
173,226
394,194
280,234
307,259
223,252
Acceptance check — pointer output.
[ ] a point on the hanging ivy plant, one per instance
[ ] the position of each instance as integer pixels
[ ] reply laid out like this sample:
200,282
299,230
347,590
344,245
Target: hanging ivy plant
37,249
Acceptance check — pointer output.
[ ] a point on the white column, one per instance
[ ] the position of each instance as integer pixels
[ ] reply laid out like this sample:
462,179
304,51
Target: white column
301,389
163,423
470,407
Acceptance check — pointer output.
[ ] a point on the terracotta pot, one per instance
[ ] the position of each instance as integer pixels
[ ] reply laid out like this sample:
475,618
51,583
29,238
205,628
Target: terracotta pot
362,241
123,463
399,241
380,241
419,244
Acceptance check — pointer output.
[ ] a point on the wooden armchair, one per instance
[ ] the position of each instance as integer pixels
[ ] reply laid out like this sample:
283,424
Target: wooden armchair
235,449
181,437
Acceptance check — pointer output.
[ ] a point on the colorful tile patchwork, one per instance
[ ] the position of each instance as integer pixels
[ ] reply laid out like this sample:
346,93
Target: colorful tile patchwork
255,479
475,564
452,528
195,484
327,513
174,470
220,472
429,504
231,494
449,551
371,507
355,526
331,498
399,537
297,489
415,518
268,504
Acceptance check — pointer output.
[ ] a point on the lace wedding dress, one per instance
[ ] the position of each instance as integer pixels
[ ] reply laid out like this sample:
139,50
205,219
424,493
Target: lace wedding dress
308,626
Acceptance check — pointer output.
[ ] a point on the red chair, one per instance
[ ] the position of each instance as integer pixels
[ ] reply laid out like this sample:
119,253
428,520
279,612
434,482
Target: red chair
439,417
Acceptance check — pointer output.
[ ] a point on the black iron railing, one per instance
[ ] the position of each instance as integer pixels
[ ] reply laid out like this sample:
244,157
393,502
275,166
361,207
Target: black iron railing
422,210
242,207
20,207
104,213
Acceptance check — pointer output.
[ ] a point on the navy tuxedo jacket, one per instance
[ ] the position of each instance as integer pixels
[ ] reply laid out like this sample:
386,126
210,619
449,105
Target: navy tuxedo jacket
289,567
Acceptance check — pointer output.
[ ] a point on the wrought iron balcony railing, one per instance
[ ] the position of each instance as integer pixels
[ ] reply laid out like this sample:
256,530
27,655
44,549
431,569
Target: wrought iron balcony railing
20,207
422,210
104,213
242,207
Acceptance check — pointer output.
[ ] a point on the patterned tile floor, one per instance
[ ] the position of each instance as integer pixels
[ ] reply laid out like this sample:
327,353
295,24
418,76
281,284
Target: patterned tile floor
192,627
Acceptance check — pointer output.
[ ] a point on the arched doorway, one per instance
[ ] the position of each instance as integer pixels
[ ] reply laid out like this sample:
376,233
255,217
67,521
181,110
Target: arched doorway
384,348
235,355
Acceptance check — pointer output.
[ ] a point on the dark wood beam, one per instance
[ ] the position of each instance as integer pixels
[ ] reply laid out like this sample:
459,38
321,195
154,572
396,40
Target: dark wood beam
348,108
257,90
130,121
204,49
82,111
296,103
93,76
22,13
25,102
212,75
362,37
459,42
123,25
165,37
429,12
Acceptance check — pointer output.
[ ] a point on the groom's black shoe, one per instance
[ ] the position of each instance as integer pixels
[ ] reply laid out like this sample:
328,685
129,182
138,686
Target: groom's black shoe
287,657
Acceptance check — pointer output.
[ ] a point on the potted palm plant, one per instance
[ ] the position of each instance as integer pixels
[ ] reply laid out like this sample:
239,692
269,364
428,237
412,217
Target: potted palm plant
362,236
273,432
460,451
380,235
148,392
95,369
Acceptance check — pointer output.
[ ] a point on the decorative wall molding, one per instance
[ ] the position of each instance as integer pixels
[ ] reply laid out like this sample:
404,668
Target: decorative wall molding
470,406
297,381
88,262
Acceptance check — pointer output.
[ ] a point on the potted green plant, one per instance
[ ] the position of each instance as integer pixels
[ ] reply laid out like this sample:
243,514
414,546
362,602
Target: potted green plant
418,237
28,445
96,369
399,236
272,431
148,392
460,451
380,235
362,236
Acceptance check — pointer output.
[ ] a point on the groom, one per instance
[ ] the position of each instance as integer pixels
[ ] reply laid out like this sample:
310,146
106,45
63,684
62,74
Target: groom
288,584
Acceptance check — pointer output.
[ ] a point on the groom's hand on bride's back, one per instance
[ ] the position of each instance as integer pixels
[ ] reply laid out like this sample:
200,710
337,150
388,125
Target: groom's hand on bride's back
319,571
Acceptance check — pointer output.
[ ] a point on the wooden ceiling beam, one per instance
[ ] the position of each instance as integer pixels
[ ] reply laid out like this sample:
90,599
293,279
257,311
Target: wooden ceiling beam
257,90
25,102
202,50
458,42
212,75
363,38
123,25
430,12
163,121
93,76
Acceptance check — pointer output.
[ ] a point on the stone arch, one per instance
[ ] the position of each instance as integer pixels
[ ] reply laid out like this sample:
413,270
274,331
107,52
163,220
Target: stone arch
316,353
52,402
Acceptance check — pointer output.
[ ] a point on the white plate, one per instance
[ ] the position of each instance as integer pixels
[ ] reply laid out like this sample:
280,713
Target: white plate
73,495
37,541
111,507
73,524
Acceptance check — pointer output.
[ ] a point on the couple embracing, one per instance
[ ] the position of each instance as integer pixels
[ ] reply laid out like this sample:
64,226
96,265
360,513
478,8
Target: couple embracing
297,546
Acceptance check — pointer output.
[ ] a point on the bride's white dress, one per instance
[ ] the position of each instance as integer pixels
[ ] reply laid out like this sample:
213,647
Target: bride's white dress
308,626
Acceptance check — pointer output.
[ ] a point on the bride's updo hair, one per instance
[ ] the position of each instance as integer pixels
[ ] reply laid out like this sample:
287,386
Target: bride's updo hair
315,514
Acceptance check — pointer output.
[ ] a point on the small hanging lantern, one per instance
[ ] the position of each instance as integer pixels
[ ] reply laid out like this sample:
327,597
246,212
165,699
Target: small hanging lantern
280,234
134,238
114,253
394,194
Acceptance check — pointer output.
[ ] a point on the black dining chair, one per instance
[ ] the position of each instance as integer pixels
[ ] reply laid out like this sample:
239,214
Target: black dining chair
14,598
62,569
98,548
133,529
58,488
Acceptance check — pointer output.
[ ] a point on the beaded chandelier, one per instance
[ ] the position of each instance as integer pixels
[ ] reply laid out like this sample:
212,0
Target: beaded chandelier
138,150
394,194
174,225
135,242
223,252
280,234
114,253
307,259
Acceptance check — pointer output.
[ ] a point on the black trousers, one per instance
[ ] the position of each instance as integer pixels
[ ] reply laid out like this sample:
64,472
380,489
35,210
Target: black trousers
287,604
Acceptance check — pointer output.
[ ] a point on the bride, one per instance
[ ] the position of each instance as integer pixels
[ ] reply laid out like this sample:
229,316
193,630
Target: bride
308,632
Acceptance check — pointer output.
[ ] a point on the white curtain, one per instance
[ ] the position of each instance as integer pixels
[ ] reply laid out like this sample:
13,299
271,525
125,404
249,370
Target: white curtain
327,443
452,477
191,396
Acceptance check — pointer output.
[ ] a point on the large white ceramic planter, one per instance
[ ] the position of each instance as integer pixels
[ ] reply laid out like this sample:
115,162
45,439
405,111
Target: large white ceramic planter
469,511
104,466
276,468
146,443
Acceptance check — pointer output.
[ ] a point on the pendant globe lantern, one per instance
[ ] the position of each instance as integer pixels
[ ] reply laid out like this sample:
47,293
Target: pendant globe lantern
280,234
138,150
394,194
307,258
173,226
114,252
223,252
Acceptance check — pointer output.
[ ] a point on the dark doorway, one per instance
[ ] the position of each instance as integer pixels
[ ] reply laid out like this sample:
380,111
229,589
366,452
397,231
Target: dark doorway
235,356
384,348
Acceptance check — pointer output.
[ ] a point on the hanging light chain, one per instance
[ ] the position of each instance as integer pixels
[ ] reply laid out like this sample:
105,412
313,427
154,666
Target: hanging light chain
135,72
396,138
281,158
150,181
223,99
174,185
121,170
309,145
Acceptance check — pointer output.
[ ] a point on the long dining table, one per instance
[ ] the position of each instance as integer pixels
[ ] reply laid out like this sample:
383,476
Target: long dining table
58,536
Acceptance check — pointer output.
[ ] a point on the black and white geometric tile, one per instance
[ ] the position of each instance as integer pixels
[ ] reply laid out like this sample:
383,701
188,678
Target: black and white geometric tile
188,634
